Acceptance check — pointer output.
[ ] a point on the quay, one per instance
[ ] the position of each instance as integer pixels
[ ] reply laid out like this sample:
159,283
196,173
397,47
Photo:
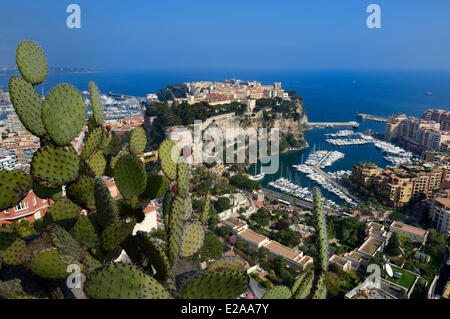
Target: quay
318,170
353,124
372,117
292,200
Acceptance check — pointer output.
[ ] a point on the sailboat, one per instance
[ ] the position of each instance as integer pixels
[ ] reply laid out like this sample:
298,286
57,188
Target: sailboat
257,177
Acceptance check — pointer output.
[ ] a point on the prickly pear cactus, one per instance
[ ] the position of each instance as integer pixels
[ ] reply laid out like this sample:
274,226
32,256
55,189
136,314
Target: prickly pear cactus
165,151
85,225
54,166
27,103
130,177
216,285
138,141
63,114
14,186
31,62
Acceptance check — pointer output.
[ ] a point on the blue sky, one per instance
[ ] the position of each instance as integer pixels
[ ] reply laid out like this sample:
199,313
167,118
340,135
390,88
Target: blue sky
244,34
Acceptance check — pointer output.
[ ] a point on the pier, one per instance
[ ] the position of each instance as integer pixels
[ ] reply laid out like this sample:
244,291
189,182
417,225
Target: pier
353,124
318,170
372,117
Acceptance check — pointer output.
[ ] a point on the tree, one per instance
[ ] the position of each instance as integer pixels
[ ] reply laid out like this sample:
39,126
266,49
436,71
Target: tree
393,247
263,252
222,204
212,247
288,237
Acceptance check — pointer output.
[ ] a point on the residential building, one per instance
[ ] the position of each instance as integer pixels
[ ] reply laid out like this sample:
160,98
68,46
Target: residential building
30,208
414,233
341,262
440,212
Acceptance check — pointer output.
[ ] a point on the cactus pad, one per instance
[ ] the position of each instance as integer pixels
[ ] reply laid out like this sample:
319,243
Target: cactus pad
187,208
155,255
28,105
92,143
216,285
63,114
138,141
278,292
228,263
175,232
320,288
84,232
115,281
63,212
113,146
31,62
97,164
45,192
107,211
50,264
152,289
116,233
81,192
167,200
156,187
183,178
206,208
96,103
14,186
192,241
168,165
54,166
12,248
130,176
304,289
64,242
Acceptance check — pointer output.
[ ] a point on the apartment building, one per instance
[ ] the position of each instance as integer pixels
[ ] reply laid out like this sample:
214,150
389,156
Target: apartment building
399,185
440,212
430,132
416,234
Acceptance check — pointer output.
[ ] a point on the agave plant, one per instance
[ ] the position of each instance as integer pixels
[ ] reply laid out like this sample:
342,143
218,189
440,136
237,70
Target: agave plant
85,226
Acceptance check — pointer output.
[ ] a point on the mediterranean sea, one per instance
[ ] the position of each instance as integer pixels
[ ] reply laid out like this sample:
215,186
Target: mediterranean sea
328,96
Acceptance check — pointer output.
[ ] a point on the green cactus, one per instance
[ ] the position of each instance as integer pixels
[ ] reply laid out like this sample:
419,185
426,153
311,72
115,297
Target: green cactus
216,285
12,248
54,166
278,292
93,241
28,105
92,143
81,192
304,288
155,254
175,230
206,208
96,164
138,141
84,232
50,264
116,233
31,62
63,114
156,187
107,211
45,193
182,178
192,240
63,213
14,187
168,165
130,177
96,103
64,242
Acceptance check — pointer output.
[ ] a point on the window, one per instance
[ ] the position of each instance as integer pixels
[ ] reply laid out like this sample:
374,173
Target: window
34,201
22,205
